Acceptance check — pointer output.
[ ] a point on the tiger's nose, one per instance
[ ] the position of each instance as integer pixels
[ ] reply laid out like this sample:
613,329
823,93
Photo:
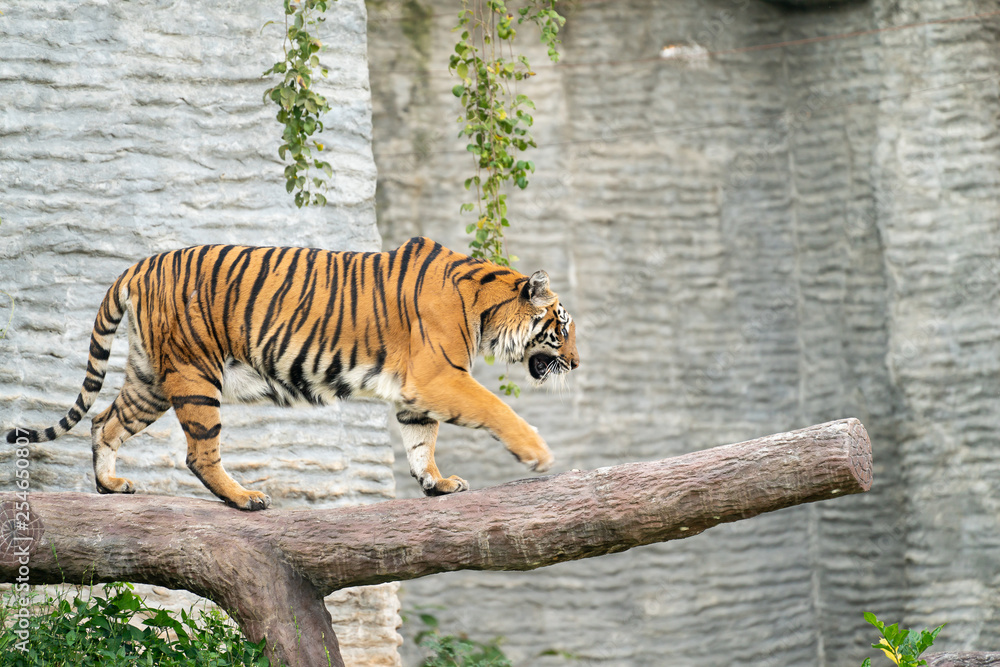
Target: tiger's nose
574,362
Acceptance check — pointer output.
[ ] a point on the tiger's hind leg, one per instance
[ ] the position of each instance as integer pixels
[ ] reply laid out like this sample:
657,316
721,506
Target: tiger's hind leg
419,438
197,405
137,406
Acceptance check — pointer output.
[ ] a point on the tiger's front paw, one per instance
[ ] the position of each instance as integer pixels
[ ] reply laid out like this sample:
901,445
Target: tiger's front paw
443,486
542,461
535,455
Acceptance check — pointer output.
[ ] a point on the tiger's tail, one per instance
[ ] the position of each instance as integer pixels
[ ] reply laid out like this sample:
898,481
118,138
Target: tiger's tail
109,315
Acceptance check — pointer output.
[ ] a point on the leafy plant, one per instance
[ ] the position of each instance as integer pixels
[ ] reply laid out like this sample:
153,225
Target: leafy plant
902,647
299,106
496,119
456,651
509,387
104,630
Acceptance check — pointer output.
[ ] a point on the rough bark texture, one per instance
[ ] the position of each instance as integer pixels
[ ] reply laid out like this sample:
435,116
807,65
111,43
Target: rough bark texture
271,569
962,659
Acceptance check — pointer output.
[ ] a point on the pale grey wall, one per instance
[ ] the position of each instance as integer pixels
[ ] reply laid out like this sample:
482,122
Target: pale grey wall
130,128
750,243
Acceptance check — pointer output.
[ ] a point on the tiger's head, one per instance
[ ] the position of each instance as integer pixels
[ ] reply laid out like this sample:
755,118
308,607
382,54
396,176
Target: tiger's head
549,348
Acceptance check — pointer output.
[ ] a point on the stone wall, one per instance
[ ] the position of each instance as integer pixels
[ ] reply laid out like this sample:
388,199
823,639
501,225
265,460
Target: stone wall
133,128
751,240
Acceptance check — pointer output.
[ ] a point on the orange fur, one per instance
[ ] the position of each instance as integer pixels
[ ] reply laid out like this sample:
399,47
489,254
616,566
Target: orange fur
213,324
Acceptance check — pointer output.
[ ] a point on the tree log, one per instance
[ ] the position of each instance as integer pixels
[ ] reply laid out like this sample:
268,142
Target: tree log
963,659
270,570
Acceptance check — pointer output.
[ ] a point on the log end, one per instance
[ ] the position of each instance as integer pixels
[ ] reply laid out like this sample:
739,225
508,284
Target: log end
859,452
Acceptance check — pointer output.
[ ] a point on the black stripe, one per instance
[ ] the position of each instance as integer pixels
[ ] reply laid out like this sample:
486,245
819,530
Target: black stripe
199,431
201,259
403,263
452,363
188,276
331,273
251,298
98,352
354,293
414,419
488,313
233,291
101,331
50,433
333,379
276,300
91,385
377,368
194,399
301,314
295,374
216,382
392,260
419,285
217,266
490,277
28,434
426,265
340,318
150,403
379,285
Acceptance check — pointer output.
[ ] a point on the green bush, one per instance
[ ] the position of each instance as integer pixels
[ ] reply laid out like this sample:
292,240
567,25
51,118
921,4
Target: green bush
99,631
902,647
456,651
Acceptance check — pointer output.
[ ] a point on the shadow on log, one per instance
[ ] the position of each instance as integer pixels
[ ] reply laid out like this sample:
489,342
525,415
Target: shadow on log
270,570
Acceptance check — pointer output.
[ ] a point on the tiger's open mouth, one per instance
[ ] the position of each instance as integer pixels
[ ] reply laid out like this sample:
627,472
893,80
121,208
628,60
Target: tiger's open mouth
540,365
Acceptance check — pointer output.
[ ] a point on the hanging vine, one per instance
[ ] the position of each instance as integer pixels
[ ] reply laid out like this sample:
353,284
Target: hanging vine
300,108
495,118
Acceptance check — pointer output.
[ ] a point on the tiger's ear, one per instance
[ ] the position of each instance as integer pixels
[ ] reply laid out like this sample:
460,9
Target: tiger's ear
536,290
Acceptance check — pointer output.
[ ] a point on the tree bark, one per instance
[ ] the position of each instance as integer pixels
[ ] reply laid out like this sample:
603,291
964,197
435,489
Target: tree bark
963,659
270,570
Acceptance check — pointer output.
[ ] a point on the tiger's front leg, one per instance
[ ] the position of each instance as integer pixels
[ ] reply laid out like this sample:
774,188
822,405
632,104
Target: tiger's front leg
419,437
456,396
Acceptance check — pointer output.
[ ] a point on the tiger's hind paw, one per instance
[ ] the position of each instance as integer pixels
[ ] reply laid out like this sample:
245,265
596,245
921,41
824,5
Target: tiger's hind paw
251,501
116,485
443,486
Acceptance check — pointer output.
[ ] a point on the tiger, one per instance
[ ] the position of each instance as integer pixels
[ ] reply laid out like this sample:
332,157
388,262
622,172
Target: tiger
217,324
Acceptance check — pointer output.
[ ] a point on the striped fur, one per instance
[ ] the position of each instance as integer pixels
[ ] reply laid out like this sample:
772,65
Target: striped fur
214,324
